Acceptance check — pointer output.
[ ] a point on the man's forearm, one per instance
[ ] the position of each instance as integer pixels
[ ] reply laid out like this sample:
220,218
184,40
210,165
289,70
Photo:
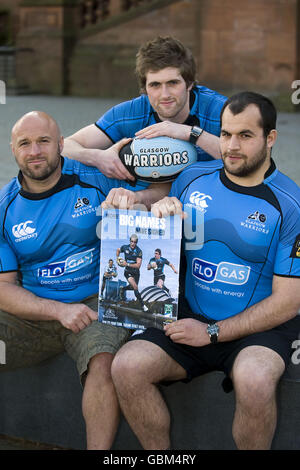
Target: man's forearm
264,315
136,265
18,301
74,150
210,144
152,194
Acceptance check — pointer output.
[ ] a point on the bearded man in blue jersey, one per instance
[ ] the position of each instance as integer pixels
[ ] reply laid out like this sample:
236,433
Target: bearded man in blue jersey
49,269
238,311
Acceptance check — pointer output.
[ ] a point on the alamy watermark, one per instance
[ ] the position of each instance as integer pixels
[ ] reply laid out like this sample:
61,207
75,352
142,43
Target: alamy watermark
296,95
193,227
2,92
2,352
296,353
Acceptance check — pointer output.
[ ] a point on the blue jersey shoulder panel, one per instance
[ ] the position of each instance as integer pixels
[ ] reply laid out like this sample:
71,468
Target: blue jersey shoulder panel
125,119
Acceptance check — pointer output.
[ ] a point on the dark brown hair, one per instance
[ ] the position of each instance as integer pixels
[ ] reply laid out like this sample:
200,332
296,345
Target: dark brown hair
238,102
163,52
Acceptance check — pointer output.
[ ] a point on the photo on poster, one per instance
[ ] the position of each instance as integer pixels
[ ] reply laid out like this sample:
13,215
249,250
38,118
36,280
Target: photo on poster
139,269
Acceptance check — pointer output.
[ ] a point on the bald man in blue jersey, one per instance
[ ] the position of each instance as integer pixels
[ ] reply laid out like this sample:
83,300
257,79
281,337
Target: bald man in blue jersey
49,269
238,308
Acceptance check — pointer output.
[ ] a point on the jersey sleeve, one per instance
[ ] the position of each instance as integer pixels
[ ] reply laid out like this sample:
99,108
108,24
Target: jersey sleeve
105,184
125,119
8,260
139,253
110,122
287,261
181,182
210,119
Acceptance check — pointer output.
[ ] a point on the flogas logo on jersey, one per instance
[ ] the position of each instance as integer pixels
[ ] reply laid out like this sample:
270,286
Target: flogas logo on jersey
223,272
23,231
71,264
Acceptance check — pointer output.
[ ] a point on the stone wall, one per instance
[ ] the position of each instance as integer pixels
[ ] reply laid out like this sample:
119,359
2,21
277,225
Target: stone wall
44,46
248,44
252,44
110,71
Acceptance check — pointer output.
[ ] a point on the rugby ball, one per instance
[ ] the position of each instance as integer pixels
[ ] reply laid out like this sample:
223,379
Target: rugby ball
121,261
157,160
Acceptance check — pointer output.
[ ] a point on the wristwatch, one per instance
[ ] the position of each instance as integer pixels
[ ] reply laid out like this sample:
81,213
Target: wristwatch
195,134
213,332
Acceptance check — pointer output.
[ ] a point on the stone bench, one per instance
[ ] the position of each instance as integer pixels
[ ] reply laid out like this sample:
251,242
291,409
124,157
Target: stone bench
43,404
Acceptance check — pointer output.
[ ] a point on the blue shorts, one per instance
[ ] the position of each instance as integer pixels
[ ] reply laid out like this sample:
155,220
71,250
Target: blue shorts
221,356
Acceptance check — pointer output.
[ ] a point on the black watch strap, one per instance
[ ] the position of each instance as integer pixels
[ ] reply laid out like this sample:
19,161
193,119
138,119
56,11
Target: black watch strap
213,332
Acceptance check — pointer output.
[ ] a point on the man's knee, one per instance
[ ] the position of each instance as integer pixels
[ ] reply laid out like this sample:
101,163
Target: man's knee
131,361
255,374
144,363
99,366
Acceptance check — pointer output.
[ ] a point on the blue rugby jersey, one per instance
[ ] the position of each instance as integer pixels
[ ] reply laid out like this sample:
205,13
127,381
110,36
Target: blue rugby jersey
249,234
160,263
50,237
125,119
131,255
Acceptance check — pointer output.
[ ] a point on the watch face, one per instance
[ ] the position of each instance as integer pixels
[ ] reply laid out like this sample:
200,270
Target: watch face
196,131
213,329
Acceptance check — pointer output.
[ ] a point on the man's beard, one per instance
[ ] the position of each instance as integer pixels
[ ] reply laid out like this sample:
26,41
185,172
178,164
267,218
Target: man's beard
248,168
43,174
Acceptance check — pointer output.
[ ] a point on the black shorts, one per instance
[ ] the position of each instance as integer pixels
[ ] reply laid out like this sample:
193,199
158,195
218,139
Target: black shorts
134,274
221,356
157,278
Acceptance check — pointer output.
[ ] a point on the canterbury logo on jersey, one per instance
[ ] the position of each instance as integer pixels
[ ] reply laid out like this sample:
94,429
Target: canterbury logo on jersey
229,273
199,199
24,231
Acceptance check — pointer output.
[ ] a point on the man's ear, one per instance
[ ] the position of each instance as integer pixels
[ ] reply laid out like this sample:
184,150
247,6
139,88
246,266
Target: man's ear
190,86
271,138
61,144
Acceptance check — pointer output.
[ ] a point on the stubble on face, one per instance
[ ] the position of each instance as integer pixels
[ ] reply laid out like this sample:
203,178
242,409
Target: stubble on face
39,172
248,167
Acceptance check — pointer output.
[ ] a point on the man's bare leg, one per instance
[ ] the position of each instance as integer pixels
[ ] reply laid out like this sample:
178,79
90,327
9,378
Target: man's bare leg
100,404
255,374
136,369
